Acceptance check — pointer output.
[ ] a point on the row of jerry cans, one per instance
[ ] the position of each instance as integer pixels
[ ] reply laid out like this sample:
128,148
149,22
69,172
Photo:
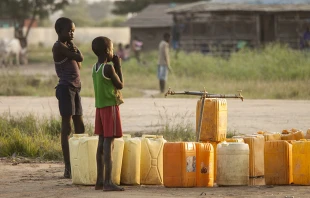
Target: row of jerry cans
135,160
287,163
285,135
189,164
281,162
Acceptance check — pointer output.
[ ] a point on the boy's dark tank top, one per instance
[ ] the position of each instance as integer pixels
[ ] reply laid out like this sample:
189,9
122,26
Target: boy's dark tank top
68,73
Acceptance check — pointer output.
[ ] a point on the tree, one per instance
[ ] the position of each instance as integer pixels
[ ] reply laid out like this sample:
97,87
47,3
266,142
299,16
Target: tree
78,12
19,10
127,6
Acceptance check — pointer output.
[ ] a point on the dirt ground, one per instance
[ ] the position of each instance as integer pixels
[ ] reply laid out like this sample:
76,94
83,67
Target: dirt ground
45,180
144,115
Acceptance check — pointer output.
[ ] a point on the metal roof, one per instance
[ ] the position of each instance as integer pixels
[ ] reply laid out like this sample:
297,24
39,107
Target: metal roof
203,6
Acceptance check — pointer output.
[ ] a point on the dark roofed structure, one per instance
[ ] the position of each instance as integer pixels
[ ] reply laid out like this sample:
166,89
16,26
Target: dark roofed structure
203,6
222,26
150,24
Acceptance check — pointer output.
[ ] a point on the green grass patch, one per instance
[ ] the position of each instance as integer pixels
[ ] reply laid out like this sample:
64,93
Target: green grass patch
272,72
31,136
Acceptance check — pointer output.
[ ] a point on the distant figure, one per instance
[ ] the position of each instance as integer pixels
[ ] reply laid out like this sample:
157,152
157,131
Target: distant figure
137,47
127,52
176,34
120,51
305,41
67,58
163,62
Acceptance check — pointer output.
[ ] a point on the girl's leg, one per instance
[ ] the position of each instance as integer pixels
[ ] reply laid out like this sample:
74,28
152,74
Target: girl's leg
65,132
100,164
108,148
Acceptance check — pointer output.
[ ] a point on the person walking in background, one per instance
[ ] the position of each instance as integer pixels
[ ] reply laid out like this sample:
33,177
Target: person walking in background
305,41
163,62
67,58
127,52
136,46
120,51
107,81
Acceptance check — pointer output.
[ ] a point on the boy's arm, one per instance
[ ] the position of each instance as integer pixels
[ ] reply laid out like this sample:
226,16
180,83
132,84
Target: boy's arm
110,72
63,50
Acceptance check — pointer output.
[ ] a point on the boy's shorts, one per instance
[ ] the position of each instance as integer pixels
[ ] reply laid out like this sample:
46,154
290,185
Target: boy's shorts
108,122
162,72
69,100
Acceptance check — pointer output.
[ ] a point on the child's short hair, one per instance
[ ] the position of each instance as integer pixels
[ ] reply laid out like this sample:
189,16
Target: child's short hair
61,23
100,45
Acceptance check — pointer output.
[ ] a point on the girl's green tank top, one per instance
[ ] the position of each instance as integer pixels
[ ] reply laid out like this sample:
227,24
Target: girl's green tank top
105,92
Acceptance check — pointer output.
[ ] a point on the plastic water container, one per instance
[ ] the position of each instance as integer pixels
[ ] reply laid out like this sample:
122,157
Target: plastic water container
152,159
83,159
289,136
298,135
232,164
271,136
214,120
256,145
117,157
307,136
301,162
204,165
278,163
131,161
179,164
235,139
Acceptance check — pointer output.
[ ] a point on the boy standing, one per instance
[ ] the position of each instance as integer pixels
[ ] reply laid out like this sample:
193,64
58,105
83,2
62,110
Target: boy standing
163,62
67,60
107,80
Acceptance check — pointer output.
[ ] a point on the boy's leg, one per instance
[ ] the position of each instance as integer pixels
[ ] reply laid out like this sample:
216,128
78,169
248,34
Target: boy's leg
65,132
78,123
100,164
108,184
78,111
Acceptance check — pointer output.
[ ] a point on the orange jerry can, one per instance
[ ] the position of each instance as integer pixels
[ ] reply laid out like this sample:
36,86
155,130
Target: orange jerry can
301,162
179,168
256,144
214,119
278,163
204,165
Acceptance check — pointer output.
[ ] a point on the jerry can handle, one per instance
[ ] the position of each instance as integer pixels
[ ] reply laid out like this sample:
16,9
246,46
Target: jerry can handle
80,135
152,136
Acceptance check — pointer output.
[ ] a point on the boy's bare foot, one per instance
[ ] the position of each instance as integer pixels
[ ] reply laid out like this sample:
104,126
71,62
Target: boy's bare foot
67,173
112,187
99,186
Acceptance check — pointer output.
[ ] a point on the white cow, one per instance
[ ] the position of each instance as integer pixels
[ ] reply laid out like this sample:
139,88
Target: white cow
10,48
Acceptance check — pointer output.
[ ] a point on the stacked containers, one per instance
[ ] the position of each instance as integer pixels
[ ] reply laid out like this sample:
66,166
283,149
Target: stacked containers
117,160
301,162
256,145
131,161
179,167
278,163
152,159
214,119
83,159
204,165
232,164
270,136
